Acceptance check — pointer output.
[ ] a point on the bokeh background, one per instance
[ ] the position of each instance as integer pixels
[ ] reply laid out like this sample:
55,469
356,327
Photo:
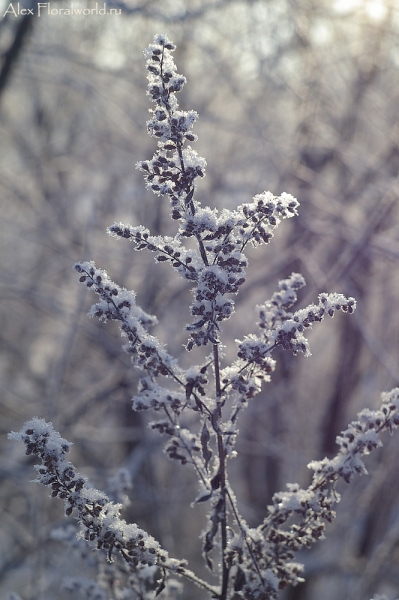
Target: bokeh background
299,96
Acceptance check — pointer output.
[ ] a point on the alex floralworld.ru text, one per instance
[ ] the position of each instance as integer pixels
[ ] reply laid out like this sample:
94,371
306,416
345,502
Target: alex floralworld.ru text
44,8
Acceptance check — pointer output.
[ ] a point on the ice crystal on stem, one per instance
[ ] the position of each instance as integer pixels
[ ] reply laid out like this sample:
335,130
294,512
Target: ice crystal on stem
254,562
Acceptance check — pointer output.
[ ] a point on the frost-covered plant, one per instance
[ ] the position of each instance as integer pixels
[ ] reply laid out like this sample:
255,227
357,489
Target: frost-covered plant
254,562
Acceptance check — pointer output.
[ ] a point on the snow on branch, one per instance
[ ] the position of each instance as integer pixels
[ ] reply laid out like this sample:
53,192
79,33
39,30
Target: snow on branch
198,412
99,518
297,518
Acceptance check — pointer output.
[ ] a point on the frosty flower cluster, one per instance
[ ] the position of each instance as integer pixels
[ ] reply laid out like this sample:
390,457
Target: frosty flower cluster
281,327
359,439
217,268
173,168
198,410
140,583
272,545
260,559
99,518
119,304
278,327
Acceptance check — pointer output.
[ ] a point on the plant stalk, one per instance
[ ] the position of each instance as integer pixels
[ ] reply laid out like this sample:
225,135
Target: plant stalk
223,478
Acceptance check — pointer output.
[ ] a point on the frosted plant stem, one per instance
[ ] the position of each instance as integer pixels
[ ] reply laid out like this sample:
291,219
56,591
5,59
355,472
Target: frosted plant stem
202,250
244,533
200,582
217,373
193,462
255,562
223,524
222,471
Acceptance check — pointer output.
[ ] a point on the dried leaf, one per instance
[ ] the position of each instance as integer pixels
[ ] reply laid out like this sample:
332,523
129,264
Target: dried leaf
206,452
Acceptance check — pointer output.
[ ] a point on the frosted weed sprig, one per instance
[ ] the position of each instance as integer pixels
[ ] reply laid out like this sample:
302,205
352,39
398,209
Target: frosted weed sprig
255,562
